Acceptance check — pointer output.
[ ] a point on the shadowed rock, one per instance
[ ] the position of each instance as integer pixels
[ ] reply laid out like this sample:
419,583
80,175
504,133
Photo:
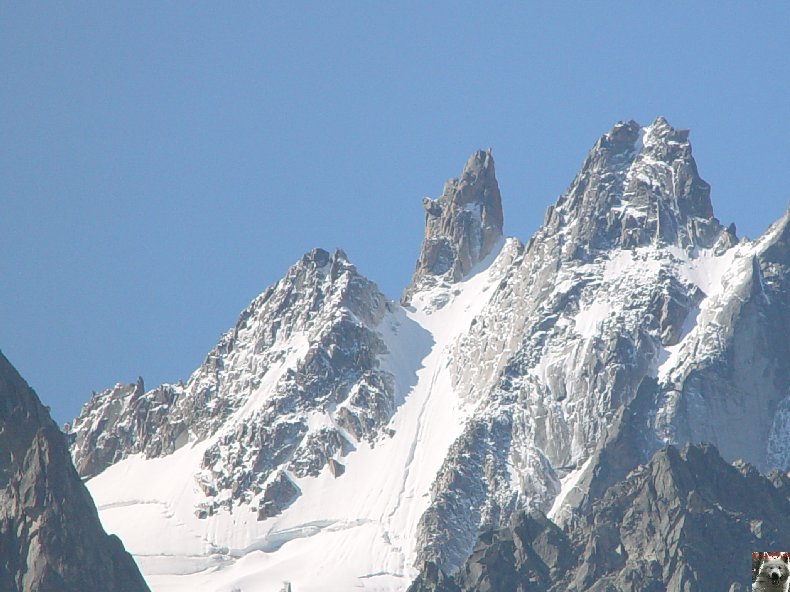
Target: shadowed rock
676,524
50,536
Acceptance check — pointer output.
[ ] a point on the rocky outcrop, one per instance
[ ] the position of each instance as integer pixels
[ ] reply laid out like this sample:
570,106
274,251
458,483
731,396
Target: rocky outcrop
670,525
50,536
733,369
461,227
110,438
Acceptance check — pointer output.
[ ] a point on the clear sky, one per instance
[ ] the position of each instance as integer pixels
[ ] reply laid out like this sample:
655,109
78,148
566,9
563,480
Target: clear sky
161,163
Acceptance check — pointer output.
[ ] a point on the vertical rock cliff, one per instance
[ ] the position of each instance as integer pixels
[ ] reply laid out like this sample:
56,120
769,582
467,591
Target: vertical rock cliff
462,226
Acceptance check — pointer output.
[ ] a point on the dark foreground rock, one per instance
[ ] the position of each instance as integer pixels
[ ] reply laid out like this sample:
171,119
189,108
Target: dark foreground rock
686,521
50,536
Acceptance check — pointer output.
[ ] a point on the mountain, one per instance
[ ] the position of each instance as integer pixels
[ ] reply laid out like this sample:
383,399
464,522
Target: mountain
337,440
293,386
50,536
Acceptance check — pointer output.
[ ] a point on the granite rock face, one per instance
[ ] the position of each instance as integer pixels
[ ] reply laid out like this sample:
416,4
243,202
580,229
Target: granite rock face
732,371
50,536
637,187
461,227
672,525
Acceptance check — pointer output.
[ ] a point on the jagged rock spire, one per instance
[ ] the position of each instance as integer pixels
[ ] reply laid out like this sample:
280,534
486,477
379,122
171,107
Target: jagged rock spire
638,186
461,227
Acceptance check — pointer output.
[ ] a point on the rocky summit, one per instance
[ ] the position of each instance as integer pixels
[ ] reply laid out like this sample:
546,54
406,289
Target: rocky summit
517,419
462,226
313,331
50,536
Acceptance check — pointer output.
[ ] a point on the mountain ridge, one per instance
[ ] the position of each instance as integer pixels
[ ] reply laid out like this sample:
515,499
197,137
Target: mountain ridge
511,377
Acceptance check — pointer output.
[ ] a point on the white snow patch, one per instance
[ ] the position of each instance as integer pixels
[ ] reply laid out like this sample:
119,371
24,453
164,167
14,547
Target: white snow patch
588,320
569,483
617,265
706,270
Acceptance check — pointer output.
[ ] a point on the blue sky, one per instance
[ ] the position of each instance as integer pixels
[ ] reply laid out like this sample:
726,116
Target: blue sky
162,163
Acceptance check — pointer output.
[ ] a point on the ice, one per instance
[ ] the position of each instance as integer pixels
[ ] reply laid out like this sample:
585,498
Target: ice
718,277
706,270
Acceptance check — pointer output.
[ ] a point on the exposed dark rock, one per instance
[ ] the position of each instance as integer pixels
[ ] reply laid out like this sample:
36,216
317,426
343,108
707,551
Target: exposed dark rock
686,521
50,536
336,468
280,493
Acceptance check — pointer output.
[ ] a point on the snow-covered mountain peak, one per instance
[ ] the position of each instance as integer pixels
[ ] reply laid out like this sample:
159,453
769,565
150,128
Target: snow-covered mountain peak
322,313
462,226
637,187
340,407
